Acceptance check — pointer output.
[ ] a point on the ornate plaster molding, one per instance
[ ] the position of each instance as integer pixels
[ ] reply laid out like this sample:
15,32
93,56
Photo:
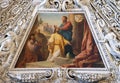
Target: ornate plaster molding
16,19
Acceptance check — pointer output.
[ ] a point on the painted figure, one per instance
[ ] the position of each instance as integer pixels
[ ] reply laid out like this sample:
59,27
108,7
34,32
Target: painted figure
42,45
34,50
29,52
89,52
56,45
65,30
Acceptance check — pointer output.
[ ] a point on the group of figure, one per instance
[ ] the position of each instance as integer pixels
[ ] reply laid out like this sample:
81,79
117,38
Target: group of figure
34,49
59,45
48,28
61,40
37,46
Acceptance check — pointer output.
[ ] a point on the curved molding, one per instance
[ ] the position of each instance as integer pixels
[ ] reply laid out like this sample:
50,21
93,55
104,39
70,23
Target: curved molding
16,19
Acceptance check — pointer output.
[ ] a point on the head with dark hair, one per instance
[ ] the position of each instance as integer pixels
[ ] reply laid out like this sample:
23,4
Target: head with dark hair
64,19
55,29
31,36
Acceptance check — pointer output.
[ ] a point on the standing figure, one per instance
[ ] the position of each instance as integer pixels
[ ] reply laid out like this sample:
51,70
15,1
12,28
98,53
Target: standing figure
65,30
41,45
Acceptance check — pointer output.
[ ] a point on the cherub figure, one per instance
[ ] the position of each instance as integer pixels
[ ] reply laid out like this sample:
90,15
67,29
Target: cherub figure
112,43
8,46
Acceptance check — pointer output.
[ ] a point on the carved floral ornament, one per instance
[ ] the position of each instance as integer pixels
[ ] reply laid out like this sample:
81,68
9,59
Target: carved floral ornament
16,19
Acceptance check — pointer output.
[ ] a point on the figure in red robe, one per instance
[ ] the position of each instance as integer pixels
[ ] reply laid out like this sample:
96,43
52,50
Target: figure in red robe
89,52
29,54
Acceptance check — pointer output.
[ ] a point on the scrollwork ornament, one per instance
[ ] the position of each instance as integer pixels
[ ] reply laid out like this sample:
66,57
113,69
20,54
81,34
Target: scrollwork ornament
116,3
61,5
70,74
108,12
57,4
68,4
9,38
53,4
49,74
117,17
15,21
98,3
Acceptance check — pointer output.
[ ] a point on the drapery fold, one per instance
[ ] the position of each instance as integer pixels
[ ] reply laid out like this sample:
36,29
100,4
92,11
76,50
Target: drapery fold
89,52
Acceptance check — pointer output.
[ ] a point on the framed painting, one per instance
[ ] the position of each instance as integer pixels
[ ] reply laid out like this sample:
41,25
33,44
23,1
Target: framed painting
57,41
46,45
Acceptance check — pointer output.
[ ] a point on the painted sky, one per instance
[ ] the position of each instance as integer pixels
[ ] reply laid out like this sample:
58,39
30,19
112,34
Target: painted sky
52,18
